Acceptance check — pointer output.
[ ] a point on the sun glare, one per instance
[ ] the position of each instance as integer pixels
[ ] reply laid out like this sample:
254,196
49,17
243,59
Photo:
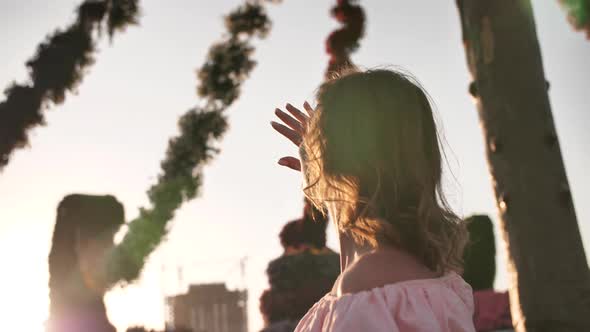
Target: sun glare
24,302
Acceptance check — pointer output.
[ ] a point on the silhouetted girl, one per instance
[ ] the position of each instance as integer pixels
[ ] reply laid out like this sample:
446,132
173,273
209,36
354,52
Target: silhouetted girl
371,155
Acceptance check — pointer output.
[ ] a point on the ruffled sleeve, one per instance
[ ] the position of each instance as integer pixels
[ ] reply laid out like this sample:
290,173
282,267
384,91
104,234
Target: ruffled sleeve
444,304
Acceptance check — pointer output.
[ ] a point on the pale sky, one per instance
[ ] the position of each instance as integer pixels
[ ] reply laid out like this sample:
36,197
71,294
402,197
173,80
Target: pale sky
111,136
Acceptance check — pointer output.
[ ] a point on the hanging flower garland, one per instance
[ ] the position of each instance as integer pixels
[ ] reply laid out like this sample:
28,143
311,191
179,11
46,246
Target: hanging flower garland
57,67
342,42
227,66
578,13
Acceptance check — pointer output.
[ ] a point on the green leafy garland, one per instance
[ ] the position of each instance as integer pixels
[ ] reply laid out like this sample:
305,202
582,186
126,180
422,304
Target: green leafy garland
578,13
228,64
57,67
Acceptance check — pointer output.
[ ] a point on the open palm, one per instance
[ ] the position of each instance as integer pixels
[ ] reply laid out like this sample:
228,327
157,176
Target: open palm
292,127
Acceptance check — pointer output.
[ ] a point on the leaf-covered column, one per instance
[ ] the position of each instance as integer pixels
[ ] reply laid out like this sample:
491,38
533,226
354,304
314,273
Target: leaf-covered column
83,224
57,68
548,272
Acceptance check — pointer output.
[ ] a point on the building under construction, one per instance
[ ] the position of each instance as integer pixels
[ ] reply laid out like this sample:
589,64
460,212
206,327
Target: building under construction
208,308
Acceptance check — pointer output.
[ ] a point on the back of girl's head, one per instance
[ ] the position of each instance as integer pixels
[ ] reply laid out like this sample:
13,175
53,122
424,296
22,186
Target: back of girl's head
373,157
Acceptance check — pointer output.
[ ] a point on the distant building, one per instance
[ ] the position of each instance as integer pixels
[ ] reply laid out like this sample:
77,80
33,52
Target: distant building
209,308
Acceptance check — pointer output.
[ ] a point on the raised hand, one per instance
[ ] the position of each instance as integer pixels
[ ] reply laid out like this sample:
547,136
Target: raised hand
293,127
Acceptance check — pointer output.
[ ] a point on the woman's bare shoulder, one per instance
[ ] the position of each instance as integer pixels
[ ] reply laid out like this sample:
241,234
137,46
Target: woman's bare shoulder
378,269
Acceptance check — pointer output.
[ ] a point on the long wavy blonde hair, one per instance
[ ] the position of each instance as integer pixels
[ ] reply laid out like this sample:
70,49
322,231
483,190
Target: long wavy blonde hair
371,154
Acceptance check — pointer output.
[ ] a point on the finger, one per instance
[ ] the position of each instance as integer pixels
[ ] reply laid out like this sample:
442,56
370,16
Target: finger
308,109
289,120
297,113
291,162
291,134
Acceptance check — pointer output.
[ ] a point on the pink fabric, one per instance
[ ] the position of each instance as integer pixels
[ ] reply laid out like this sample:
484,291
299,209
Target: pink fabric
492,310
429,305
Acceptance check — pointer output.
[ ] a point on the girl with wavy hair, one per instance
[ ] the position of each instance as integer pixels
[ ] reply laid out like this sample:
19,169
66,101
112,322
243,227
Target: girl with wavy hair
371,155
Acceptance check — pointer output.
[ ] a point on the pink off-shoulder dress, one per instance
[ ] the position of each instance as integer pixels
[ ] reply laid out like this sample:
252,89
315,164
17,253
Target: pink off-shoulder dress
443,304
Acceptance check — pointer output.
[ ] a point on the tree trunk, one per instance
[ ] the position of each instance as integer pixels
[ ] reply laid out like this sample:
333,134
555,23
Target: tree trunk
549,275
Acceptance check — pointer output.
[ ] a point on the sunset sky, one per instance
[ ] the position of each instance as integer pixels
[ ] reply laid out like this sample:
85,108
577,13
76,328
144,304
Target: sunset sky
110,137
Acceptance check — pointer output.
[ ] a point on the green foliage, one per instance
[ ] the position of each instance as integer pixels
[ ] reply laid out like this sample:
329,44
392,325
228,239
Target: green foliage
227,66
249,19
179,181
122,13
81,220
294,271
60,61
297,281
58,66
578,12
